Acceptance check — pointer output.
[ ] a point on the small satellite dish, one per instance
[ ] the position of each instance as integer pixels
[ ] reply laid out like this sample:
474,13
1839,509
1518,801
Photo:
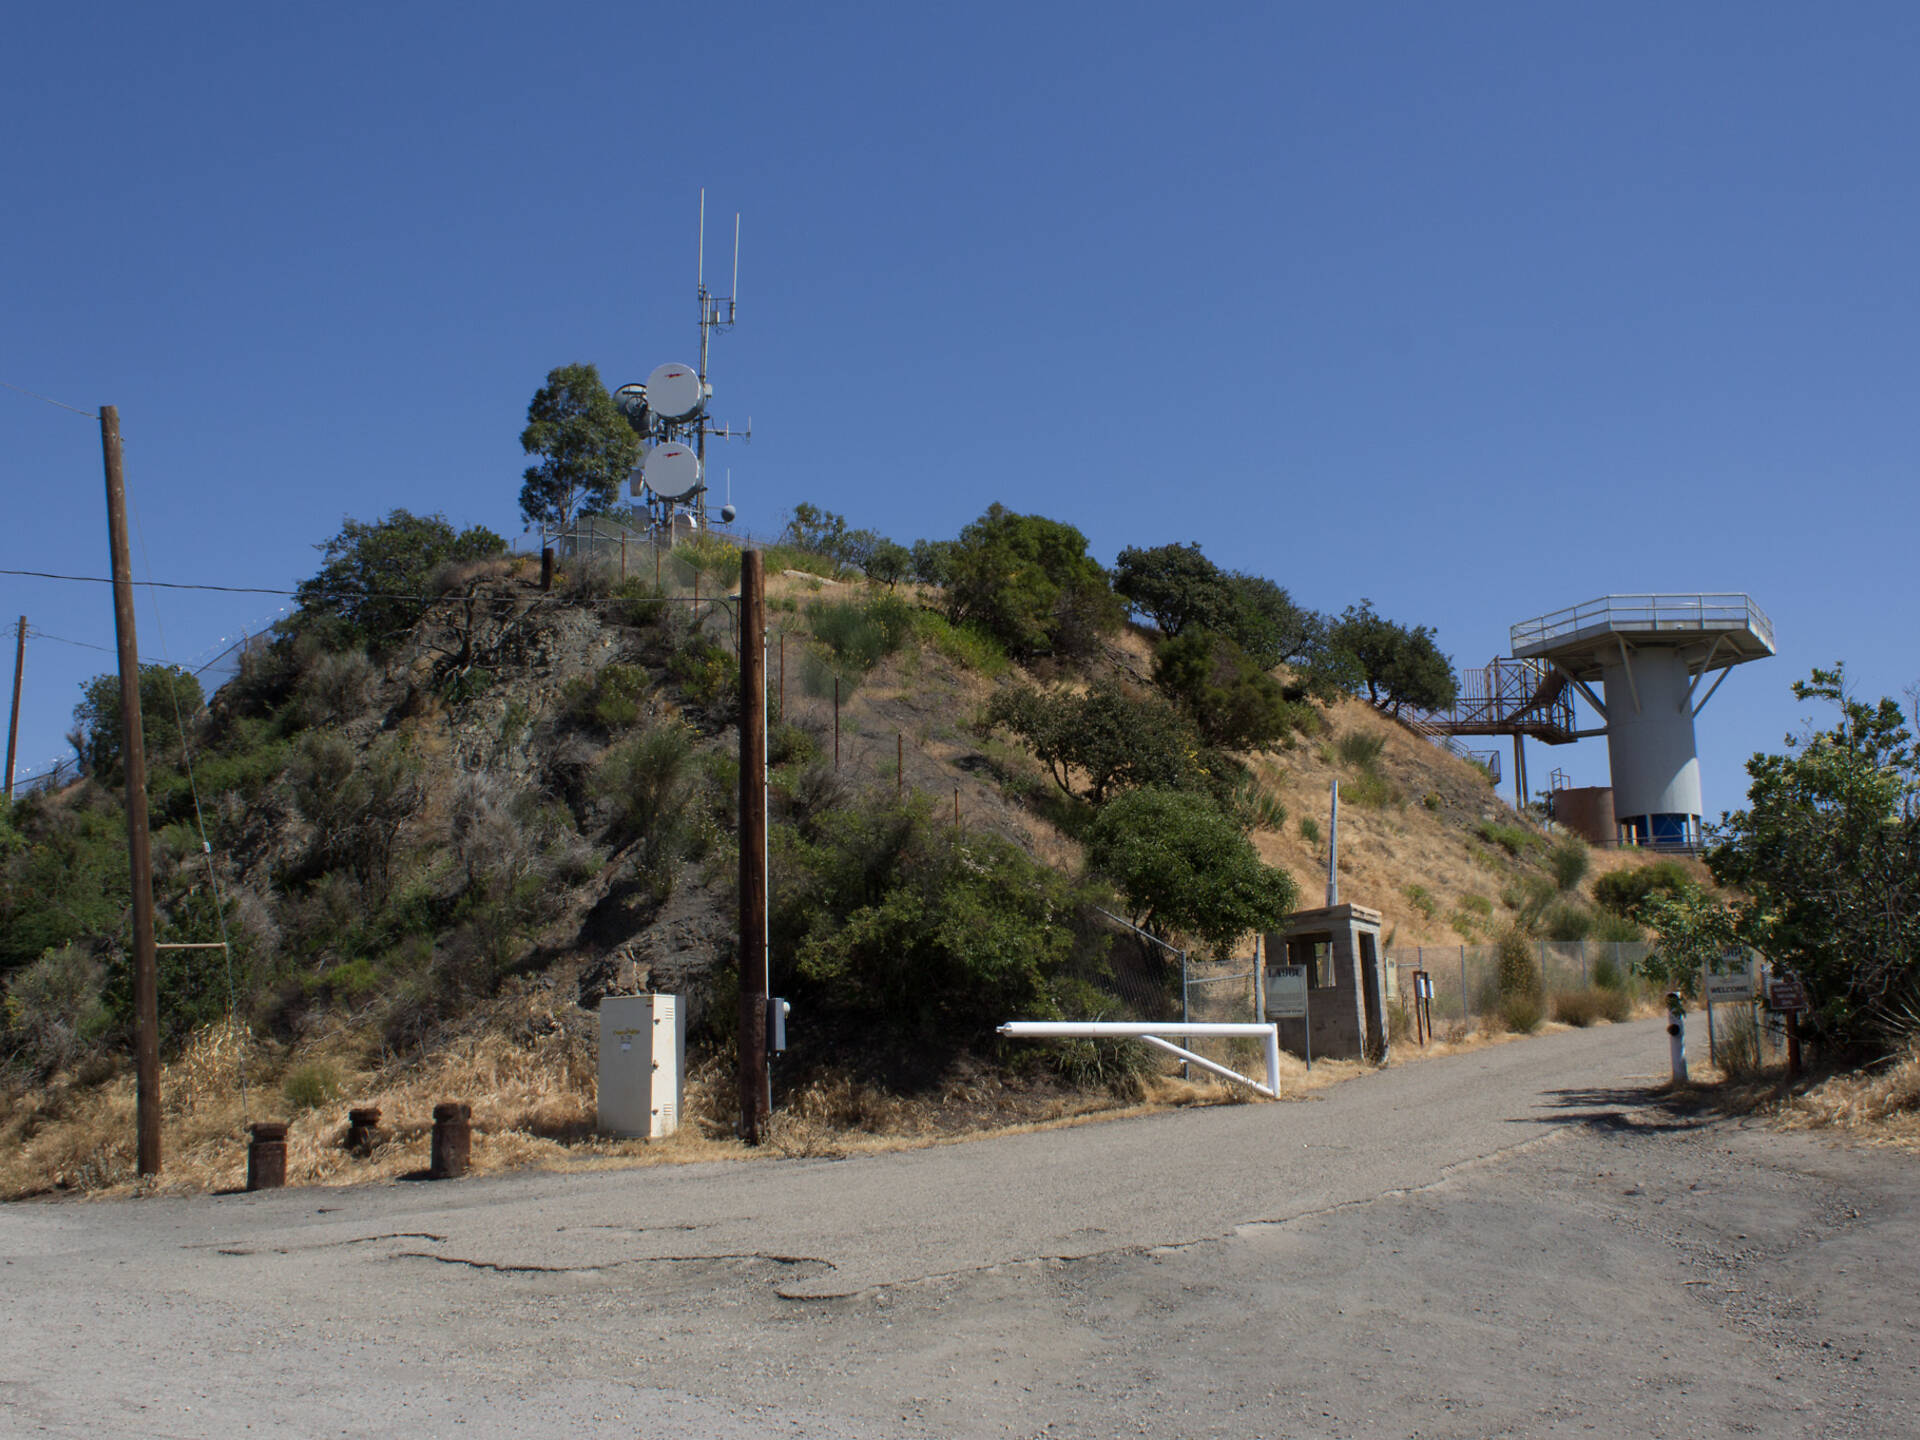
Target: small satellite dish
676,392
632,400
727,512
637,477
672,471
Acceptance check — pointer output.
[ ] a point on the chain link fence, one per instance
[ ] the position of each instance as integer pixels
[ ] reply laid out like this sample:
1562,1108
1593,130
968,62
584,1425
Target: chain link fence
1466,978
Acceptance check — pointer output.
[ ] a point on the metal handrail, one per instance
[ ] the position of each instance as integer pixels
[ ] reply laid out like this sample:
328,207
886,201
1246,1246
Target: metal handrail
1647,612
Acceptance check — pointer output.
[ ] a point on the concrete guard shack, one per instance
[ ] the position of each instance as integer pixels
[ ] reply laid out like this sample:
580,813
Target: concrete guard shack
1339,947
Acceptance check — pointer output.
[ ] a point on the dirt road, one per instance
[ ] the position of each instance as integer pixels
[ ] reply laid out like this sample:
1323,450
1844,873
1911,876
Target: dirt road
1518,1241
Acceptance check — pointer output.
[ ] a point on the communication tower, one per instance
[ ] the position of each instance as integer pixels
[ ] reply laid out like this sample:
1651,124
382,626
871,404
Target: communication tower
670,412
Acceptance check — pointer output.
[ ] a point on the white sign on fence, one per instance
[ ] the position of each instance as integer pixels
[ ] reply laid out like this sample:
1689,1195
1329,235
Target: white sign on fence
1286,992
1729,979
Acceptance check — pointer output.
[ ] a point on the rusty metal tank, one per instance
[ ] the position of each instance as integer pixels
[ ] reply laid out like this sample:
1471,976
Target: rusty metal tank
1588,813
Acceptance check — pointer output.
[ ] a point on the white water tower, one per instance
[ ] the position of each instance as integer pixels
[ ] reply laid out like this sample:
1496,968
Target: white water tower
1650,654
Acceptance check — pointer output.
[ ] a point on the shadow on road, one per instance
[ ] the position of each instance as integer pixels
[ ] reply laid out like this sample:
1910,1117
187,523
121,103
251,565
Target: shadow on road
1616,1108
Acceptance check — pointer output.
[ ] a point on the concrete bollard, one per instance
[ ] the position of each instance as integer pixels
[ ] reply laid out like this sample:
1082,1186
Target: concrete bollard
452,1140
1677,1036
363,1130
267,1155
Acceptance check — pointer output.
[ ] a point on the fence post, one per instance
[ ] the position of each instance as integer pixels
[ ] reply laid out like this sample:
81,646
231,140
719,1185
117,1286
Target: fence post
1186,1071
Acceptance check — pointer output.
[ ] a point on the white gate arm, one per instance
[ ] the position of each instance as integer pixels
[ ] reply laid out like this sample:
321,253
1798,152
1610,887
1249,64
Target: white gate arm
1153,1033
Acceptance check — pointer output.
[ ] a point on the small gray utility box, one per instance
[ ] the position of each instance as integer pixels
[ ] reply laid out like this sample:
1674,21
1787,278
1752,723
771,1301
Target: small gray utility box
643,1057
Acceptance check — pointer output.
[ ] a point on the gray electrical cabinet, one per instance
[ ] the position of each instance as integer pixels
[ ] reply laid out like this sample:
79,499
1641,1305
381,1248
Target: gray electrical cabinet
643,1055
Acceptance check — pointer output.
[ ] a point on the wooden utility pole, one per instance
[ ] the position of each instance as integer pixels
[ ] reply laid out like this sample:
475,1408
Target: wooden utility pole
133,752
13,721
756,1099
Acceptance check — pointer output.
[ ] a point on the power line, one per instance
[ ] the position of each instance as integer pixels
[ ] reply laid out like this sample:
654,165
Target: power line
177,585
63,640
321,594
90,414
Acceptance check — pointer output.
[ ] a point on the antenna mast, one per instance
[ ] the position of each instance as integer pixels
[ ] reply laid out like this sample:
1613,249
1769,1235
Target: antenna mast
717,312
669,411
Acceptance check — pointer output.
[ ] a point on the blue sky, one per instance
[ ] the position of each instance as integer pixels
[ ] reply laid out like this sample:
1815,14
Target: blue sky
1477,311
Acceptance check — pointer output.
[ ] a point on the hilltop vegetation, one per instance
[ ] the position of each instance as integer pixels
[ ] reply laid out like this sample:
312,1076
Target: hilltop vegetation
441,791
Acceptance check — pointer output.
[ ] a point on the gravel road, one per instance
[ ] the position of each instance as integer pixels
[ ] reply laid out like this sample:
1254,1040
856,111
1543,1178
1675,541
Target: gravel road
1517,1241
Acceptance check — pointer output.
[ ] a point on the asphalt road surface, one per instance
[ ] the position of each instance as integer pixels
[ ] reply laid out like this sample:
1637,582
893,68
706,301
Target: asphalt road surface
1519,1241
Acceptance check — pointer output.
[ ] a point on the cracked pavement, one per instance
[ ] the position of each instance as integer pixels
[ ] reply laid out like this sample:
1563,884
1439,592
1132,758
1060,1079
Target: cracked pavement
1516,1241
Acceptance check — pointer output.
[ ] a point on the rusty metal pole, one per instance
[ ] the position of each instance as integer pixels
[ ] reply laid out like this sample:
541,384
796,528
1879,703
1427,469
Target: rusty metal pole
146,990
13,722
451,1151
546,568
267,1155
756,1100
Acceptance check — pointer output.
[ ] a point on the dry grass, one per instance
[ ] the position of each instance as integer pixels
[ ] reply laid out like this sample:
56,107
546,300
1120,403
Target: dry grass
531,1084
1880,1106
531,1088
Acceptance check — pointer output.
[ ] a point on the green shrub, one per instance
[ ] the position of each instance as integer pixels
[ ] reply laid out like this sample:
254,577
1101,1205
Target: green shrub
647,784
709,677
1422,900
1513,839
1522,1004
611,699
918,934
639,603
1370,790
791,745
1616,928
353,981
1477,905
356,803
309,1086
1624,891
1309,829
1360,749
1522,1014
965,645
1581,1008
1565,920
1432,800
715,559
861,633
1607,974
53,1009
1258,807
1568,860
